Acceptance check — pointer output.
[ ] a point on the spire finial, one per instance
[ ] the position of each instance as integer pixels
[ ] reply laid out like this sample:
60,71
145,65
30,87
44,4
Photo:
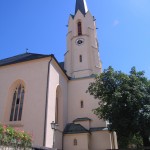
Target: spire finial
82,6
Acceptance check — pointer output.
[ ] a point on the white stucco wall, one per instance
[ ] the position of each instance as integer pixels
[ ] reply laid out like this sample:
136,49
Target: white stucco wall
82,141
57,78
100,140
77,92
34,76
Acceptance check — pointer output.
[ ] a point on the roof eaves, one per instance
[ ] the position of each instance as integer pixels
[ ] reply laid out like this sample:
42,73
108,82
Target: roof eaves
8,61
28,57
98,129
76,132
75,129
82,119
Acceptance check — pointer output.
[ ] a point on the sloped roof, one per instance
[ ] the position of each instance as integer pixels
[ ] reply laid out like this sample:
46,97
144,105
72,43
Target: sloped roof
61,65
82,119
21,58
82,6
98,129
28,57
72,128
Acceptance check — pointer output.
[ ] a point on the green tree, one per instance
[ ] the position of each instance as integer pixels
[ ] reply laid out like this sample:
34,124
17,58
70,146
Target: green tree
124,100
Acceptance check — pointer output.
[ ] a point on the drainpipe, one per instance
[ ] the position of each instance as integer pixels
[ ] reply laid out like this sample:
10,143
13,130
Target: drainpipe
46,107
62,140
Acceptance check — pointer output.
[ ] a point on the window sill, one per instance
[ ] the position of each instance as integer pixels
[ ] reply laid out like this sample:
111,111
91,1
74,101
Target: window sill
15,123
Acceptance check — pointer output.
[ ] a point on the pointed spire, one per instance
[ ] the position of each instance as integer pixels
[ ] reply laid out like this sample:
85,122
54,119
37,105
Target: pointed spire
82,6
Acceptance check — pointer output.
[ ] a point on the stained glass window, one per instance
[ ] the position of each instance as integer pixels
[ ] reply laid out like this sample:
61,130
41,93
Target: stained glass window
17,104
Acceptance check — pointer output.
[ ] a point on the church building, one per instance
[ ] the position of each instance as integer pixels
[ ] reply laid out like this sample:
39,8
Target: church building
37,91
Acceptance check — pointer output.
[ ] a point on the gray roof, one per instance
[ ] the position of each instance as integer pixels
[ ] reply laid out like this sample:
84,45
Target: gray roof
72,128
28,57
82,119
82,6
21,58
98,129
61,65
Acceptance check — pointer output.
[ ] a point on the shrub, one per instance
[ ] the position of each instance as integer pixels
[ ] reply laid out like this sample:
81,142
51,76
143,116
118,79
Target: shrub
11,137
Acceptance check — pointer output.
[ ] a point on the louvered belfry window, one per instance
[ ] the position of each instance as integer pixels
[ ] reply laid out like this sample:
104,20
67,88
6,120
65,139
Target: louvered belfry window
17,104
79,28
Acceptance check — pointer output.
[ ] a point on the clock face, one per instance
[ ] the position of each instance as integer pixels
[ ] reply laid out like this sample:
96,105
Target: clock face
80,41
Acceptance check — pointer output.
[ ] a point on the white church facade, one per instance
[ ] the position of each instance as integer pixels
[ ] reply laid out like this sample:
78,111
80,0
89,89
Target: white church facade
36,90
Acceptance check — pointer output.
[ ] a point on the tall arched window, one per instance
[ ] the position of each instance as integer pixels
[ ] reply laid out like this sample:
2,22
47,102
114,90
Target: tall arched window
56,111
58,107
17,103
79,28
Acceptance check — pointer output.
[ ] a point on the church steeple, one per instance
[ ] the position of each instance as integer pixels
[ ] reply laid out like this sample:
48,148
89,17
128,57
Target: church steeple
82,56
82,6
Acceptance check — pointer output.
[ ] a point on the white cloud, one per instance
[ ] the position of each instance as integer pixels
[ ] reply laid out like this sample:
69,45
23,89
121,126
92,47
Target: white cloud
116,22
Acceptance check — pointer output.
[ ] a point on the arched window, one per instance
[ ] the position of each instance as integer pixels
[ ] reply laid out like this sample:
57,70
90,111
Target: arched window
79,28
58,106
80,58
56,111
75,142
17,103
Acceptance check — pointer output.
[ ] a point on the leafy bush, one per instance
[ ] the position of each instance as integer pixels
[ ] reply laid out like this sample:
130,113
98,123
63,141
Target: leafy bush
11,137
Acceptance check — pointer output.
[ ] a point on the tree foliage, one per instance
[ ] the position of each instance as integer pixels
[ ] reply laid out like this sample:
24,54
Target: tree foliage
124,100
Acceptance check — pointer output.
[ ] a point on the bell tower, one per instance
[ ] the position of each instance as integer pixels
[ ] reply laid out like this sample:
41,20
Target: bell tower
82,56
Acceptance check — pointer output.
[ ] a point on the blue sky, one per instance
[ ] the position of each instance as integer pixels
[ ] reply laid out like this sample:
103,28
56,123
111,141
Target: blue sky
40,25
